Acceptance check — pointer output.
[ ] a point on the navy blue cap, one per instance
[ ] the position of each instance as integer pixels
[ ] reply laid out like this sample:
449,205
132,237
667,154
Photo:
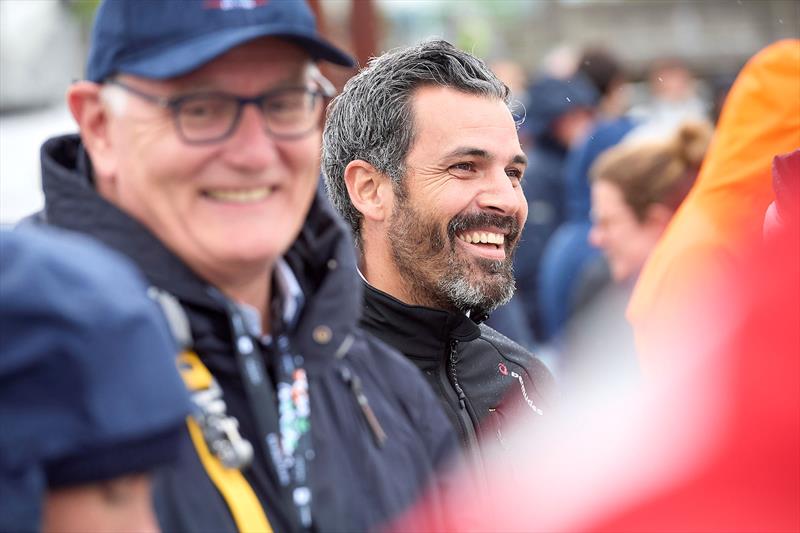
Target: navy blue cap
162,39
89,388
549,98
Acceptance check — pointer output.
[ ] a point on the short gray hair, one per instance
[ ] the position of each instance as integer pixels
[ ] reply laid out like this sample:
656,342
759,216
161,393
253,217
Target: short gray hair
373,118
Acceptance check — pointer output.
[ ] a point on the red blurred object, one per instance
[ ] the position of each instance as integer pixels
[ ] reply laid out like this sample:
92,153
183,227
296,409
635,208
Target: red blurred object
752,480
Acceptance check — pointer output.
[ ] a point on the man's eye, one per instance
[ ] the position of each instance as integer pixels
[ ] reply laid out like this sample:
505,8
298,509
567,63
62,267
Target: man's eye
196,110
204,109
463,167
284,103
515,174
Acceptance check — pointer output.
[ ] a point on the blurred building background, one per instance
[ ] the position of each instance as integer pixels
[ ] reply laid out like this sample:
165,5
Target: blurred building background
43,43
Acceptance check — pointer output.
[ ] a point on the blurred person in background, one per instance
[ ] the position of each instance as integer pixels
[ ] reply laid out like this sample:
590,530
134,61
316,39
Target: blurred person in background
198,158
90,400
570,267
671,81
422,158
673,98
719,87
560,112
636,189
607,74
513,76
560,62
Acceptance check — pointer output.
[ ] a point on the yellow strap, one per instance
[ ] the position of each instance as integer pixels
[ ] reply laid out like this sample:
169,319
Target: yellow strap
232,485
237,492
194,373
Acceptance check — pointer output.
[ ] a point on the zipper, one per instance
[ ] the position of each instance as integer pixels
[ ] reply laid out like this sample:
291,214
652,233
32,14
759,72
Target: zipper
462,412
451,372
354,384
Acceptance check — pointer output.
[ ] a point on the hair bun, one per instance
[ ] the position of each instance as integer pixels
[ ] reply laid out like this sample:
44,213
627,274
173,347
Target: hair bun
691,141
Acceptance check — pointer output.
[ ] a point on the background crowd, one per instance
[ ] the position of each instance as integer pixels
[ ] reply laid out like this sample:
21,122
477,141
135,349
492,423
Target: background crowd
583,81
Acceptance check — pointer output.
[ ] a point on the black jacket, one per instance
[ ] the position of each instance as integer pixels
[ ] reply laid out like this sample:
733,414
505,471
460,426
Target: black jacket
483,379
356,484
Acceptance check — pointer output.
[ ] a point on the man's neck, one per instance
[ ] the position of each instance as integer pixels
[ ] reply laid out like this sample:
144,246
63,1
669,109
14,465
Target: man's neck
254,291
384,276
379,273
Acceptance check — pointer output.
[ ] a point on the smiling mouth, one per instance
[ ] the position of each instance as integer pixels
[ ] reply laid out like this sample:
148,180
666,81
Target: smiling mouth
483,237
239,196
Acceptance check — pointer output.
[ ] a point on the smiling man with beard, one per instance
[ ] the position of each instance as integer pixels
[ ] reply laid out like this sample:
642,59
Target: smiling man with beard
422,158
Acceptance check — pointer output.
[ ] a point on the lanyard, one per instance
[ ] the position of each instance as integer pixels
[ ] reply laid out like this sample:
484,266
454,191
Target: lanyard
283,423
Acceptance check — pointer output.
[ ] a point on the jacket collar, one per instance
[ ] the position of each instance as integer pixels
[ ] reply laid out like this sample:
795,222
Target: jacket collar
420,331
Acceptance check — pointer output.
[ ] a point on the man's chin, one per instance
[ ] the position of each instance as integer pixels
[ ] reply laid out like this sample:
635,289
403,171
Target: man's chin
236,256
480,268
479,293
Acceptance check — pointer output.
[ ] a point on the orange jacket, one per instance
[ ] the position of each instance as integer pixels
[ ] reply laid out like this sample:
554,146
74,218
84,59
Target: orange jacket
724,212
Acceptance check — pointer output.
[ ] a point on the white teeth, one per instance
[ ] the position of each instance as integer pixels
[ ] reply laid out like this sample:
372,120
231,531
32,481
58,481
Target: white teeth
496,238
482,237
241,195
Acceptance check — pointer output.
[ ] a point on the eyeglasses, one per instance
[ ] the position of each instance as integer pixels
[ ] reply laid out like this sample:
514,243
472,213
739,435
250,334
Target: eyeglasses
209,117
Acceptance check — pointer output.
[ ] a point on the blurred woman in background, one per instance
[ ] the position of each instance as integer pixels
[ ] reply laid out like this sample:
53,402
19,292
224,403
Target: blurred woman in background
636,188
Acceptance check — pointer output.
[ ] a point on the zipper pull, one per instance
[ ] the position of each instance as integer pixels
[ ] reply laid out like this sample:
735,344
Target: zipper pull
369,415
462,398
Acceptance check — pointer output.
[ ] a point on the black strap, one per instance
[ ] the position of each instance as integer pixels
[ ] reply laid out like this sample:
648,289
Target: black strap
282,420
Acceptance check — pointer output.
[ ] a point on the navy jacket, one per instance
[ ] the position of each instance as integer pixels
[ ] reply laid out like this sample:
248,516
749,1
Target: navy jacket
356,484
568,256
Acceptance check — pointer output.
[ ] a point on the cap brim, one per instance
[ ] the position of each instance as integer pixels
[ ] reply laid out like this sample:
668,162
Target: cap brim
184,57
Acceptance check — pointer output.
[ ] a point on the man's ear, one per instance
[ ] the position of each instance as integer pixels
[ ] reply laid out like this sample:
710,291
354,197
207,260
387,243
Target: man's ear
91,114
370,190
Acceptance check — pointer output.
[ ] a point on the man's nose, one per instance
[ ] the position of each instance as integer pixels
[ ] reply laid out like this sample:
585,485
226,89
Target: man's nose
502,194
250,147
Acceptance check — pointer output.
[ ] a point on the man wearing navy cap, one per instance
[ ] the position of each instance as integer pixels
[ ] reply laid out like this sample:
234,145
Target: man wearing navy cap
198,157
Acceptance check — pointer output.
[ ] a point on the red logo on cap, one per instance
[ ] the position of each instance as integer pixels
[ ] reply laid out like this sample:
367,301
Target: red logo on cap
502,368
226,5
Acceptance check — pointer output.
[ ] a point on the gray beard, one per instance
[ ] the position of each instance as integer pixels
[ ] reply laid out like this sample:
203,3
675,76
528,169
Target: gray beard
467,297
436,276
